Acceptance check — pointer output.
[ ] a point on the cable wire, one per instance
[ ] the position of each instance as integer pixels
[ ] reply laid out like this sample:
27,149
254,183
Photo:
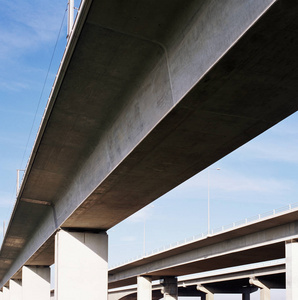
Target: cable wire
44,84
38,105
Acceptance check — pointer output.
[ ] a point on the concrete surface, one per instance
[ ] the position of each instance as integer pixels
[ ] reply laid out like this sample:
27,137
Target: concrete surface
169,288
148,94
6,293
36,283
15,287
144,288
81,265
292,269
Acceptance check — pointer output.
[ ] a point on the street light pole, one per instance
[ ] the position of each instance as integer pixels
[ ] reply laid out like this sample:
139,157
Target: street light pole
144,233
70,17
217,169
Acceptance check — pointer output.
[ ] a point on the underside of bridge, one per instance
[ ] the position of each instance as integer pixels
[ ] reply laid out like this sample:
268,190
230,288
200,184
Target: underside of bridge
232,286
149,93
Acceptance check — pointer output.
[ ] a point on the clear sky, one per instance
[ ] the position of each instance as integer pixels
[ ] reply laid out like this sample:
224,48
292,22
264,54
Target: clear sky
256,178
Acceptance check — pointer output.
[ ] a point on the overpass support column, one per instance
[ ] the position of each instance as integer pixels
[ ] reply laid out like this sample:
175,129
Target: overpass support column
16,291
170,288
208,294
292,270
36,283
81,265
6,293
264,290
144,288
245,296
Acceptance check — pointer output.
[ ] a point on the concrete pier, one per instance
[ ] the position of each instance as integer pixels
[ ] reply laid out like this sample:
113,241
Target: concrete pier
81,270
170,289
144,290
16,292
246,296
6,293
292,270
36,283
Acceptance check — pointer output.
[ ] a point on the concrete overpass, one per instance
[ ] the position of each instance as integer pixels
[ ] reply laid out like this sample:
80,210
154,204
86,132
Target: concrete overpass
274,237
230,281
148,94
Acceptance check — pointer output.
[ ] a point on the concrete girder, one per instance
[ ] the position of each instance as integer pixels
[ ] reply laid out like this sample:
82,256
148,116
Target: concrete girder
140,103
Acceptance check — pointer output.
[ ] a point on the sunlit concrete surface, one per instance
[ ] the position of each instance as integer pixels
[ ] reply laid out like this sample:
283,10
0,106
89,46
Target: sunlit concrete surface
36,283
148,94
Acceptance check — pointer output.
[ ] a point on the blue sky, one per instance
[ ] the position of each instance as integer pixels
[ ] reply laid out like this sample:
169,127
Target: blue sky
28,34
258,177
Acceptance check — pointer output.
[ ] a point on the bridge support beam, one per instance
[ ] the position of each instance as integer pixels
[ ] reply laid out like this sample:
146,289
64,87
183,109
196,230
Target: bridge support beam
16,292
144,289
81,265
6,293
36,283
292,270
208,294
264,289
170,288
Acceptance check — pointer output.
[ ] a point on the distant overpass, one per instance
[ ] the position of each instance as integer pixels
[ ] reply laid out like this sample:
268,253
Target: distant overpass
231,281
259,241
148,94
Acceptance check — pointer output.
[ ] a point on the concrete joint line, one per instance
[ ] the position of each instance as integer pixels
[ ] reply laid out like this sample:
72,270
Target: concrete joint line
159,44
